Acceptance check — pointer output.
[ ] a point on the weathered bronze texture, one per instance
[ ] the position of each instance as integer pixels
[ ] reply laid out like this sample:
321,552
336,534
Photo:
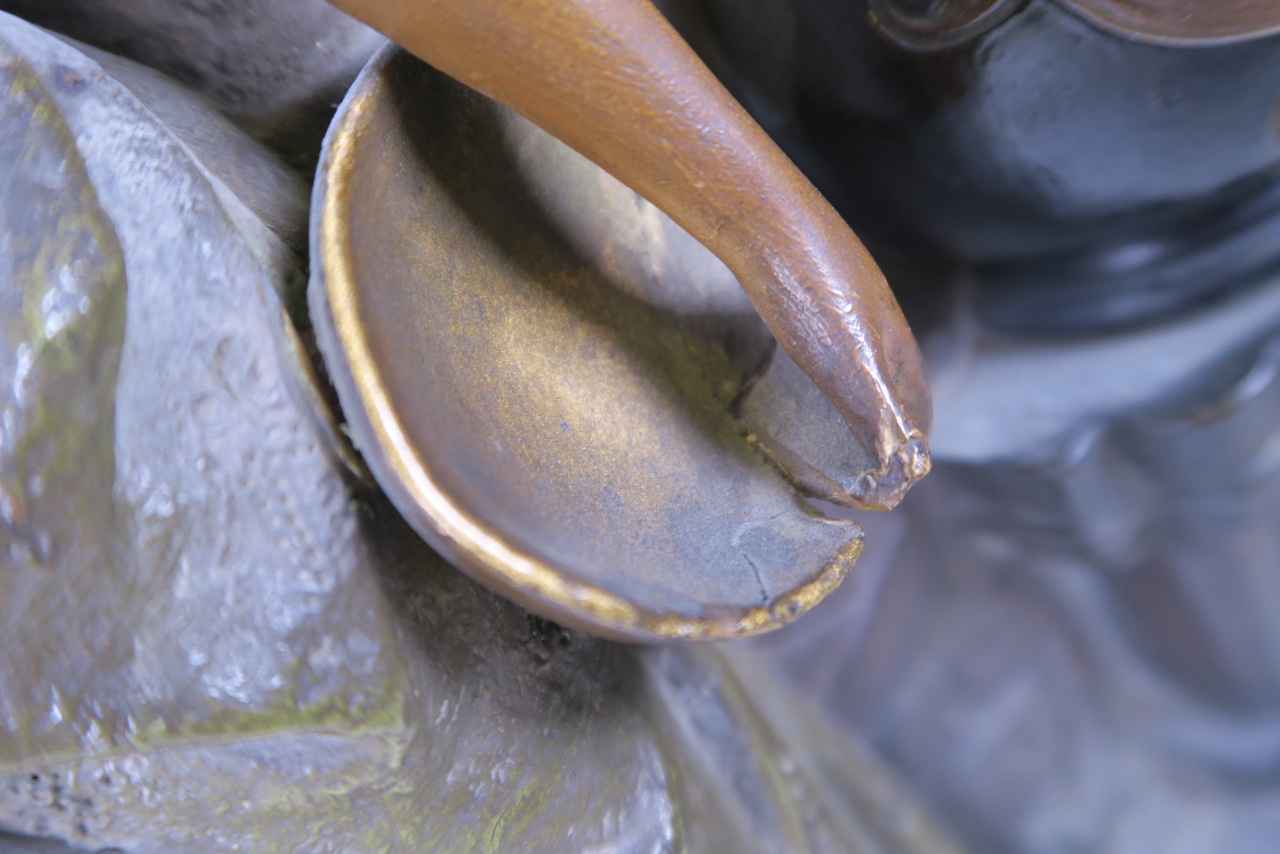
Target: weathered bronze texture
276,67
1069,640
1088,179
1184,22
214,639
617,84
541,368
1081,609
934,24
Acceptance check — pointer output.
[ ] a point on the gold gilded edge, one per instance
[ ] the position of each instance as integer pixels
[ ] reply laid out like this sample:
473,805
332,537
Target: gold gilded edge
531,582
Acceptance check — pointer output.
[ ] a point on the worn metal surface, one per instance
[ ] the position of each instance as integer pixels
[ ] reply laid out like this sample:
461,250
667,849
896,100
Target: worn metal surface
1182,22
212,640
276,67
934,25
540,368
1067,639
1091,180
616,83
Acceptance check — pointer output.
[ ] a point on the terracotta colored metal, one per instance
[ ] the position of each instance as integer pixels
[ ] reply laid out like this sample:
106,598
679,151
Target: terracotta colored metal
615,82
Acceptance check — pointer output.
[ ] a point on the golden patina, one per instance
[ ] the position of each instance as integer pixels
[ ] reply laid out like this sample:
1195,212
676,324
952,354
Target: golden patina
541,368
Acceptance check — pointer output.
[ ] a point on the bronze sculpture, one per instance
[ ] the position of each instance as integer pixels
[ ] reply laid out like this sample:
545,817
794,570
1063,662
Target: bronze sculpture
617,84
231,642
1025,617
1076,611
566,431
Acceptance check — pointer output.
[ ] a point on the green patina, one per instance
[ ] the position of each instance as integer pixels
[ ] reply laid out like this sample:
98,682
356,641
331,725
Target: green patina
529,808
67,235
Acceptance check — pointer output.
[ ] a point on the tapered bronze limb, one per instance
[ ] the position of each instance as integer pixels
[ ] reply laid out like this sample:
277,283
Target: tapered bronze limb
613,80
